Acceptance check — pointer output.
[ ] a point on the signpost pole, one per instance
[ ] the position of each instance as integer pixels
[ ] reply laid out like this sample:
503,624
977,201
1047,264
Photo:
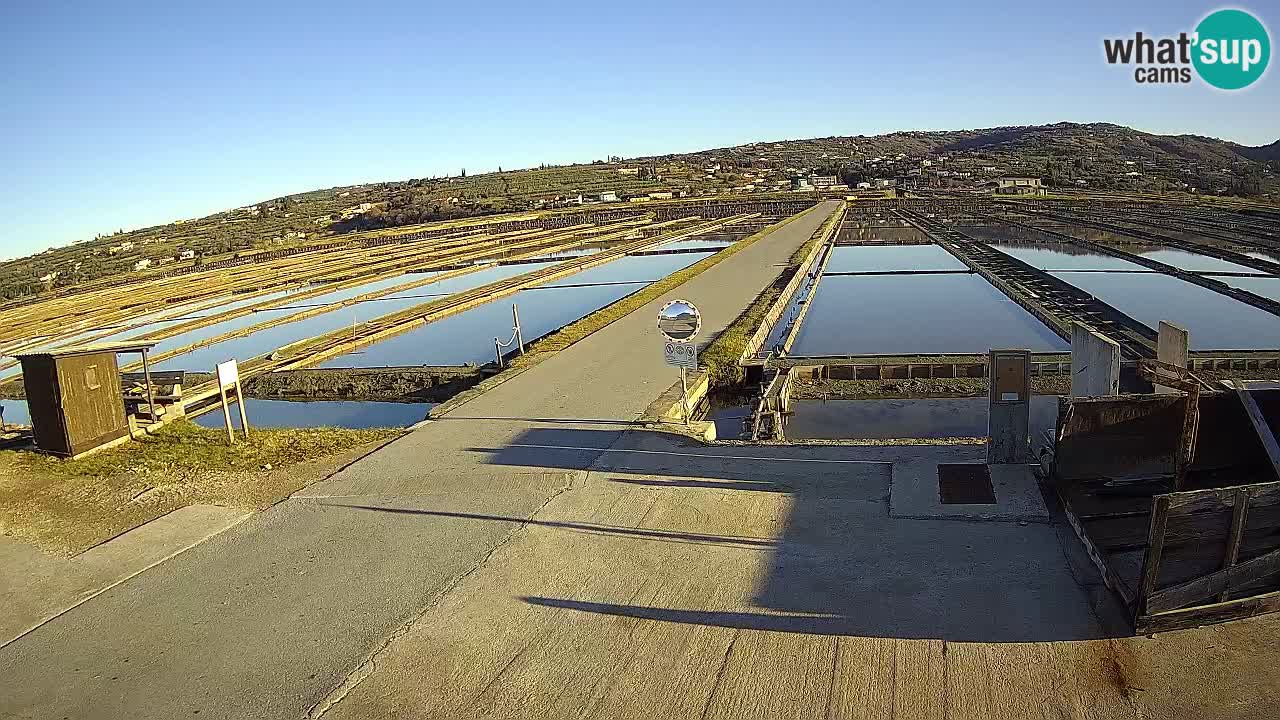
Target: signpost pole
226,415
684,396
679,322
244,420
228,374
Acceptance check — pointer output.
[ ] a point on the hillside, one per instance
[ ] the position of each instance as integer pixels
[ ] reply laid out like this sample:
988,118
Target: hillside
1095,156
1100,154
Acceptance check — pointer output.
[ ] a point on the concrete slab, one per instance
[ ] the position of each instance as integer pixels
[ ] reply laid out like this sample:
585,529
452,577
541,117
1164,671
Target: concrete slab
913,493
39,586
1095,363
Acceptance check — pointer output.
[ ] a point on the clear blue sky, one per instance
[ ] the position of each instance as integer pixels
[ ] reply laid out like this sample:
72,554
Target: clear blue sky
122,115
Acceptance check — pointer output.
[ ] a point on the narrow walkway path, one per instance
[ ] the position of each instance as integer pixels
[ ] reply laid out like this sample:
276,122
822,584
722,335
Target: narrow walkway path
268,619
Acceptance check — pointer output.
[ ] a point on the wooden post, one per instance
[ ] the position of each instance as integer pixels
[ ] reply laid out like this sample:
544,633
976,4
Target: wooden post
226,415
151,397
1232,554
1260,426
1187,440
244,420
1151,560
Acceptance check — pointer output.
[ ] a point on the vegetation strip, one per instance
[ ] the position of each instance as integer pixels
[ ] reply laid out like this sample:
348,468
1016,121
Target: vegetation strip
721,357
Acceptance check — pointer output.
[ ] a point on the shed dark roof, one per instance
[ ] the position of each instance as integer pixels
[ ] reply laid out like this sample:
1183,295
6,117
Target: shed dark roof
116,347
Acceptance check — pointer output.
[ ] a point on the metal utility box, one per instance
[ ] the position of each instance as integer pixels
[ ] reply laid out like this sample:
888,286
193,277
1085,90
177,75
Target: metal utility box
74,397
1009,418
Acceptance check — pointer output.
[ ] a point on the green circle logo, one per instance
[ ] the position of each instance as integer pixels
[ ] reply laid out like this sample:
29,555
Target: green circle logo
1232,49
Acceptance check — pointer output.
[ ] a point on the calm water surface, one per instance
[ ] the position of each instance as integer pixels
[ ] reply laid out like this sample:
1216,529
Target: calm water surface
914,314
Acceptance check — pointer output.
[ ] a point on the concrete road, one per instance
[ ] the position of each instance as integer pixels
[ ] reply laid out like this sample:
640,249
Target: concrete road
680,581
270,618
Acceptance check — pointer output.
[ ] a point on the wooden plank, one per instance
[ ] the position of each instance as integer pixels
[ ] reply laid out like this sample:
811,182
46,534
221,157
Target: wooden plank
1208,614
1111,579
1218,499
1155,547
1222,581
1235,536
1126,533
1260,426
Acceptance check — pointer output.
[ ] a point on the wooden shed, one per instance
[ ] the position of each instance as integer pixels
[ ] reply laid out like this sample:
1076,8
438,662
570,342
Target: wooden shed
74,396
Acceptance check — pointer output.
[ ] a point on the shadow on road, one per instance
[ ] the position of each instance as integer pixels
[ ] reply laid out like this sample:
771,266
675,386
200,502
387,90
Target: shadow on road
594,528
840,564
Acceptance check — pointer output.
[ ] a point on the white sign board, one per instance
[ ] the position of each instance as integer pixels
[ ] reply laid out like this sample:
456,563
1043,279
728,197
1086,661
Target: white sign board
680,354
228,374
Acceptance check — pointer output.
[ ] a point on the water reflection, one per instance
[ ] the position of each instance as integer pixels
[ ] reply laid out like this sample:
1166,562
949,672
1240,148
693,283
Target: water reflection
1064,256
915,314
15,412
1265,286
269,339
326,413
468,336
881,258
1195,262
1215,321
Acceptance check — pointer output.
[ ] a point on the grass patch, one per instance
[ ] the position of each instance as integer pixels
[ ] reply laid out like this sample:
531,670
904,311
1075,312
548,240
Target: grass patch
67,506
184,447
721,356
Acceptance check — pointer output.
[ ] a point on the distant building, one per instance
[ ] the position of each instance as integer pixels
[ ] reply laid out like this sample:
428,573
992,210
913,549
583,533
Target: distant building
661,195
800,184
864,186
142,264
823,181
628,171
604,197
49,278
1016,186
187,255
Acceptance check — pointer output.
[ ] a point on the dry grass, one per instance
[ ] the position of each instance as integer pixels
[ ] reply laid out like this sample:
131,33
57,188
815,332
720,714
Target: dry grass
68,506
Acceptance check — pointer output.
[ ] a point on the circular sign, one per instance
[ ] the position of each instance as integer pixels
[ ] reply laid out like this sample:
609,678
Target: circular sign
679,321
